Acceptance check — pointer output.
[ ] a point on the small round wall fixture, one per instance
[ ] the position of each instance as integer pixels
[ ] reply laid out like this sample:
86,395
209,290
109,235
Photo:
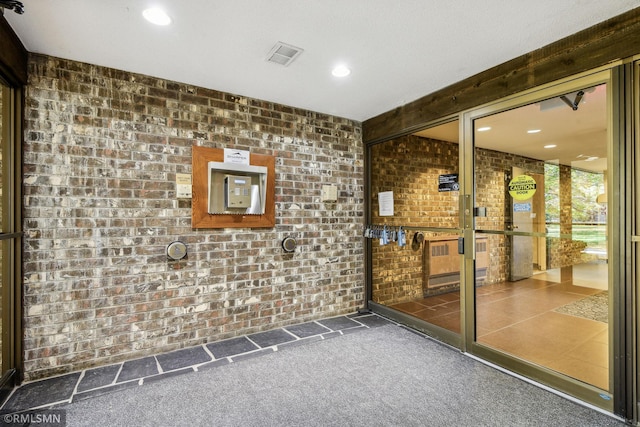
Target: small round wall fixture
416,243
176,250
289,244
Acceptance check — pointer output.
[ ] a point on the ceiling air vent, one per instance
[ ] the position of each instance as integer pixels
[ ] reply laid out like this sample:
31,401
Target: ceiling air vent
283,54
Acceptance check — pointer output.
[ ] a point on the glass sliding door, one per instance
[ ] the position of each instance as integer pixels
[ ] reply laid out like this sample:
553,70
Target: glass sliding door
10,236
521,234
541,173
4,92
415,189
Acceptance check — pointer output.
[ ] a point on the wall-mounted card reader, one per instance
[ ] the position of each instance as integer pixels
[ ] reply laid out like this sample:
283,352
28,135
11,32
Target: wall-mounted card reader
236,189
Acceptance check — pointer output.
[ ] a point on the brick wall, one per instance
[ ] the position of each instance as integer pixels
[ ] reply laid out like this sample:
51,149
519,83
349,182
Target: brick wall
493,173
410,167
566,252
101,155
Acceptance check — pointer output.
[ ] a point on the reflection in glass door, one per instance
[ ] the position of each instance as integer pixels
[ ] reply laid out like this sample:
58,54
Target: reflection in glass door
540,174
417,176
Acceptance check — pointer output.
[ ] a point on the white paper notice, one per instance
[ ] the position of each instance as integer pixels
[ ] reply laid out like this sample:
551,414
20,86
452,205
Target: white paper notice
183,185
385,203
239,157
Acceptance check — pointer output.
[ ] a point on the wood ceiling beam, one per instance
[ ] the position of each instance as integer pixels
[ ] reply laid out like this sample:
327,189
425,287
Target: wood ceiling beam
611,40
13,55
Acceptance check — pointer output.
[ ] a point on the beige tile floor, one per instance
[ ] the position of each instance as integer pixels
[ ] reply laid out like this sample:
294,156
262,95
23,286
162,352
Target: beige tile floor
519,319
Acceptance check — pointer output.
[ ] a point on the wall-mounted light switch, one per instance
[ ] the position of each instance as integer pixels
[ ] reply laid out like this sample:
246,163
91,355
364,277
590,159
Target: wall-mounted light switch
329,193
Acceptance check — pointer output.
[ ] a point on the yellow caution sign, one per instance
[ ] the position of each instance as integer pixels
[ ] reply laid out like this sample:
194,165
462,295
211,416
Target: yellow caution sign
522,187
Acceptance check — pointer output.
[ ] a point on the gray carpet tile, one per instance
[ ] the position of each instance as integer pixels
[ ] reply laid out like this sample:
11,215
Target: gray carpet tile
372,321
231,347
374,372
270,338
39,393
252,355
339,323
103,390
384,376
212,365
305,330
183,358
98,377
138,368
165,375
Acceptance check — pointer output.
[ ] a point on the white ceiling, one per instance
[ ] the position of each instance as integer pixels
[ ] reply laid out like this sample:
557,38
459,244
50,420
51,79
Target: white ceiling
579,136
398,50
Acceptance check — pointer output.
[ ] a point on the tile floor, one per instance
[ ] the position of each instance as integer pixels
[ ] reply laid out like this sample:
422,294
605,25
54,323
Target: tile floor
519,318
135,373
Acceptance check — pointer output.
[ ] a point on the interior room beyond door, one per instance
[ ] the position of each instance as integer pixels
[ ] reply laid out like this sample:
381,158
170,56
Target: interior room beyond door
415,184
540,173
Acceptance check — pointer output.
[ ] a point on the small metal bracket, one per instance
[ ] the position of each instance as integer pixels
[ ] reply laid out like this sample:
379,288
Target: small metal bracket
465,208
480,211
573,105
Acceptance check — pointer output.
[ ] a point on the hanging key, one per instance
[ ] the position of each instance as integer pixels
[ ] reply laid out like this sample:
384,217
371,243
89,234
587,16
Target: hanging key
402,237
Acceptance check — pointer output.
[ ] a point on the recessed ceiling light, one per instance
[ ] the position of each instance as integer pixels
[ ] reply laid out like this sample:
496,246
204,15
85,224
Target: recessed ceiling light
550,146
156,16
341,71
591,159
533,131
484,128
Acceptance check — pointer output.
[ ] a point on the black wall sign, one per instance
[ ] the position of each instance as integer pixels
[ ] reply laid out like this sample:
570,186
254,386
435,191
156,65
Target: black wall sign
448,182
